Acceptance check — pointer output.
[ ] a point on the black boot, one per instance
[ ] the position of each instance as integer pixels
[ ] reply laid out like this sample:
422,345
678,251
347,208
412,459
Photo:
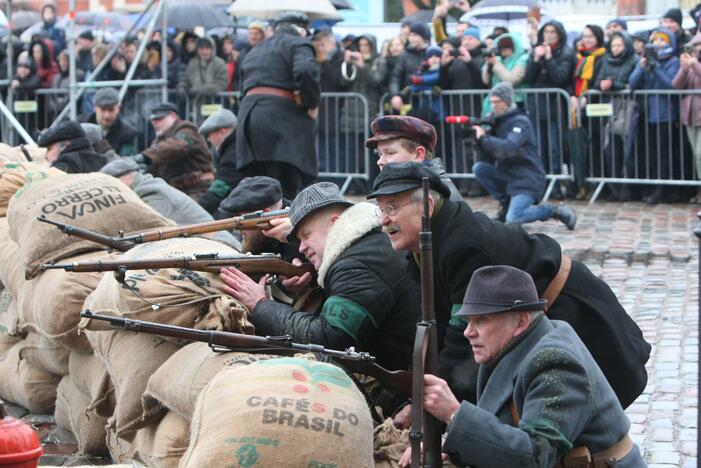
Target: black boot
566,215
501,214
658,196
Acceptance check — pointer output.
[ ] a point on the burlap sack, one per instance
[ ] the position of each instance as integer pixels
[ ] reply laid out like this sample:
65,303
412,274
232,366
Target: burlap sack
33,388
15,175
281,412
162,445
72,413
130,360
11,271
89,375
43,354
15,154
97,202
6,343
170,295
120,450
389,444
9,319
50,304
176,385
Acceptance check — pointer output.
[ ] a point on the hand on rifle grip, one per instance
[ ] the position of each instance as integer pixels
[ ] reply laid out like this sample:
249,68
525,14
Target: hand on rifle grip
297,284
281,228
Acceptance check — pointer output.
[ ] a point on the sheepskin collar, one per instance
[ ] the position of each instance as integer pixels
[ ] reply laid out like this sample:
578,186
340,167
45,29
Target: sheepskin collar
353,224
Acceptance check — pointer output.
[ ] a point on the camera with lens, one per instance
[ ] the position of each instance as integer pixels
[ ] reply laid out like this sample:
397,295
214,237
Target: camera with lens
490,52
650,54
455,53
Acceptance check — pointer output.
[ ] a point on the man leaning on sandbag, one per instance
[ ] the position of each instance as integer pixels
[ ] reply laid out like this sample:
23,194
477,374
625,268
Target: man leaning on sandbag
369,300
68,149
164,199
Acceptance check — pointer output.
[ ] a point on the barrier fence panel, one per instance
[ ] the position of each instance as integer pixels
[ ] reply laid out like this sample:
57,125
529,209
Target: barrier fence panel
548,108
637,137
343,124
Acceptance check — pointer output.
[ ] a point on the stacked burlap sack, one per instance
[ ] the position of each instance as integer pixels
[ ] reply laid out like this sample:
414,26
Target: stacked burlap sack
40,327
171,296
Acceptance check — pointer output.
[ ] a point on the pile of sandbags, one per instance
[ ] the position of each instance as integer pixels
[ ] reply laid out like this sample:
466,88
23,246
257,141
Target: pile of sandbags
96,202
15,175
23,153
281,412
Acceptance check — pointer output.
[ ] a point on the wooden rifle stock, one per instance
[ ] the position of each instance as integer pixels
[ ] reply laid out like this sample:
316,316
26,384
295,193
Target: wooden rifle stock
258,220
424,426
354,361
249,264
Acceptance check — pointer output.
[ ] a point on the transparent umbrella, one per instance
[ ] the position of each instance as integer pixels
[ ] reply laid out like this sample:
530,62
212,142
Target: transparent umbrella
268,9
508,13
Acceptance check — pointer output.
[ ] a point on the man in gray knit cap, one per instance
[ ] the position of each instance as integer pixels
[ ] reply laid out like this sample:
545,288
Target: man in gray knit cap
513,171
369,300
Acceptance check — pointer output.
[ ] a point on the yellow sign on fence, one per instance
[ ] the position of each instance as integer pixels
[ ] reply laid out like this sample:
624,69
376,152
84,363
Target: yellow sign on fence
599,110
25,107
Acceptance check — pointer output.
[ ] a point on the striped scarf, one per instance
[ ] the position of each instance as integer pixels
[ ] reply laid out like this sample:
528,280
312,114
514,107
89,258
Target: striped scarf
584,71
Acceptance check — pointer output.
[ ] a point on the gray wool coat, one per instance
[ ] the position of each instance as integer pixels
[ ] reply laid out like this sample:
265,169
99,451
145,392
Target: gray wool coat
561,395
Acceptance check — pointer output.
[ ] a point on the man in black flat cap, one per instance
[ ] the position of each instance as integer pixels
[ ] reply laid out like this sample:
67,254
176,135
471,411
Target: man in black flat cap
259,193
275,135
163,198
369,300
117,131
550,399
69,150
464,241
178,154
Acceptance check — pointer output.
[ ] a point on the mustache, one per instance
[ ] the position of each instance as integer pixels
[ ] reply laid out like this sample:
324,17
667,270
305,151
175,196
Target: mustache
390,229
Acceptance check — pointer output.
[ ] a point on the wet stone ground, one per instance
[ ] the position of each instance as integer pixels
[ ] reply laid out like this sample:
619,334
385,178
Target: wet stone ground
649,257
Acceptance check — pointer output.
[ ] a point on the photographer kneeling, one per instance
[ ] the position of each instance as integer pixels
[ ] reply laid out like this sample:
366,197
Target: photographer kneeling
513,172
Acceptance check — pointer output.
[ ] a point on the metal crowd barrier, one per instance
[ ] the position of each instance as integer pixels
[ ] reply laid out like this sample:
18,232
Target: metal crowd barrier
629,144
343,127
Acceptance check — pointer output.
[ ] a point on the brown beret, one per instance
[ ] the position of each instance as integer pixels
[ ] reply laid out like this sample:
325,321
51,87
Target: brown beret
390,127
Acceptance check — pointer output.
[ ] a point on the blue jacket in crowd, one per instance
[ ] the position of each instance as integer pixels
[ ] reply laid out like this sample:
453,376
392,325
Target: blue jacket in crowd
512,142
663,108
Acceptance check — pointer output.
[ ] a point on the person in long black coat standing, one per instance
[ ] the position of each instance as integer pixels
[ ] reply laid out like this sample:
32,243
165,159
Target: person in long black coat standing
275,135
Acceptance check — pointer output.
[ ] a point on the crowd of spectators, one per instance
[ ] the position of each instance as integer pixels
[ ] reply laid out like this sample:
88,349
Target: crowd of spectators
422,61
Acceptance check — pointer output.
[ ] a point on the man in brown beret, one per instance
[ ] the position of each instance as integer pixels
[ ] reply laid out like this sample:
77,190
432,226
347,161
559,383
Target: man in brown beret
399,138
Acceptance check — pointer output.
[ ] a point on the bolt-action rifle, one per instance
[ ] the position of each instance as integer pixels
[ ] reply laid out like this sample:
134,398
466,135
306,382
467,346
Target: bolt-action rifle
266,263
352,360
424,426
258,220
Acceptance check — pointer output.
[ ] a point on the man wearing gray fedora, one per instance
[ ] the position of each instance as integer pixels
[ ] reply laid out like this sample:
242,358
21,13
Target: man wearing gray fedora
370,302
541,398
220,131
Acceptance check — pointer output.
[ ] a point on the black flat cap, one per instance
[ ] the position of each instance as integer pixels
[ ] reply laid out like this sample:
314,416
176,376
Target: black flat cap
400,177
251,194
500,288
106,97
163,109
67,130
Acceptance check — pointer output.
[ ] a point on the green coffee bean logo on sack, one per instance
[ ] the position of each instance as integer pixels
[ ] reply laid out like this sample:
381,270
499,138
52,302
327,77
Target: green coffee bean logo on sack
247,455
319,376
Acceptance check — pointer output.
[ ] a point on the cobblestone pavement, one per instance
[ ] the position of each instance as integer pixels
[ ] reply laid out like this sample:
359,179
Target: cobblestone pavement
649,257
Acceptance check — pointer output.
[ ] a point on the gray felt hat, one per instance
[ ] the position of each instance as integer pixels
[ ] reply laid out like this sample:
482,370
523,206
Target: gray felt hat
500,288
312,198
106,97
223,118
120,166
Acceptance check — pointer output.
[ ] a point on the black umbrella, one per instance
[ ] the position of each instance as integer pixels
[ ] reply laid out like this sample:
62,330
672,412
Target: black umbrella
23,19
103,20
342,5
184,14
